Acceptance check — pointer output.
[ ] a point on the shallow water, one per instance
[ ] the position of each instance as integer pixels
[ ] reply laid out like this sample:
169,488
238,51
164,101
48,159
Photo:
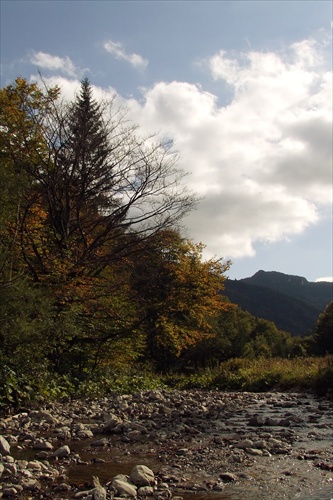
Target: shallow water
268,478
276,477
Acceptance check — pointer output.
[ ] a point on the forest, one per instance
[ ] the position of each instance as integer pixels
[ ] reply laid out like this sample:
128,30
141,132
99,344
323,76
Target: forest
99,289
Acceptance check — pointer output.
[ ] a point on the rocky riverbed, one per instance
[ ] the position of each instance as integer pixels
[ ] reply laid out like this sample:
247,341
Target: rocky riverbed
171,444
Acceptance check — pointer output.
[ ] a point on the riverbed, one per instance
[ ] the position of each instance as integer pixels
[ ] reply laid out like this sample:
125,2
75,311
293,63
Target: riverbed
204,445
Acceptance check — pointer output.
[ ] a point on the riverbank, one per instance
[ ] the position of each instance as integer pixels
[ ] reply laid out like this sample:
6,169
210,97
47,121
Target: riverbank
198,444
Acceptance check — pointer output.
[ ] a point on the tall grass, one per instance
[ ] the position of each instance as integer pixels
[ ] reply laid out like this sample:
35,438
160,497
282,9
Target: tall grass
314,374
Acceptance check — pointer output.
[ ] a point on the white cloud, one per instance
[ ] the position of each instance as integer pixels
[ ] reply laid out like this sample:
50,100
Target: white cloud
327,278
263,162
53,63
70,87
117,50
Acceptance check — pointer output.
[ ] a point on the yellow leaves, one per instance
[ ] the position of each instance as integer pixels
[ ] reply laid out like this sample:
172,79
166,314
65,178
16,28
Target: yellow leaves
183,292
22,112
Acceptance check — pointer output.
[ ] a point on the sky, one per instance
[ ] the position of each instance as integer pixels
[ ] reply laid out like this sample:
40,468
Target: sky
242,88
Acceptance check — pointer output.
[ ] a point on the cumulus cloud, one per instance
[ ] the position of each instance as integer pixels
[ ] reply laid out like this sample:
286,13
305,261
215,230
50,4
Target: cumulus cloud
263,161
327,278
116,49
53,63
70,87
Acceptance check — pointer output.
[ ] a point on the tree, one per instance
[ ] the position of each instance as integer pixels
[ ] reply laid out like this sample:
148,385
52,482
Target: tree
323,337
23,107
91,196
98,184
179,295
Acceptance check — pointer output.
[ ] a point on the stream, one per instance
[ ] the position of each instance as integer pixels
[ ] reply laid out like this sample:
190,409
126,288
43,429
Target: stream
204,445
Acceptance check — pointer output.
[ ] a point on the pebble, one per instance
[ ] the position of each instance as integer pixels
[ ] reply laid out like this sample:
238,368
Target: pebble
191,433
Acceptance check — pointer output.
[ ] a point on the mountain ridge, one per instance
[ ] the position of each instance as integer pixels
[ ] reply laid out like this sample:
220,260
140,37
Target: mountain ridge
292,302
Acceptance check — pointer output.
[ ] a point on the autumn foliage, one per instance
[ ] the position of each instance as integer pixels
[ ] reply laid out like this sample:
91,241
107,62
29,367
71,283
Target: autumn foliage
94,272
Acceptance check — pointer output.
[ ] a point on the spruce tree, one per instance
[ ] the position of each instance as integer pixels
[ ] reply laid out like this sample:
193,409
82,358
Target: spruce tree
79,193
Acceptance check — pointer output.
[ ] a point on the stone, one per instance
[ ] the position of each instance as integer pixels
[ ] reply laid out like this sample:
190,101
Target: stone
84,434
254,451
43,445
228,477
9,491
31,485
62,487
146,491
61,452
141,475
124,488
134,435
245,443
12,468
182,451
100,443
4,446
34,464
272,422
260,445
112,422
256,421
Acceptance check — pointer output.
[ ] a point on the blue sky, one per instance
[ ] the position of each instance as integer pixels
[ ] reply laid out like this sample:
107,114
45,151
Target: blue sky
243,88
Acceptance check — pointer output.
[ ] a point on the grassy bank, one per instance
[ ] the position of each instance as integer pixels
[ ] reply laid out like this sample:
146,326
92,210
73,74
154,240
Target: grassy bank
314,374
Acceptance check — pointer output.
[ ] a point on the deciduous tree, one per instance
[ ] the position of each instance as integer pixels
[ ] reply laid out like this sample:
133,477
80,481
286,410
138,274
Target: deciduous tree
179,295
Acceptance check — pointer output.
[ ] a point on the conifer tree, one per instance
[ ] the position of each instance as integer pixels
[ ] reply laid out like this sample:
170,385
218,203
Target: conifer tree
104,188
323,337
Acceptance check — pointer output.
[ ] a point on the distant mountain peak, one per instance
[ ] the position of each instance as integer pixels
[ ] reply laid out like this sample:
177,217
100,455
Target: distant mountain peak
277,277
292,302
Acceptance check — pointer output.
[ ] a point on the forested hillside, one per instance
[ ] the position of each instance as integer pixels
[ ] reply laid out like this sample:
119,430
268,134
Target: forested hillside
95,274
317,294
94,271
291,302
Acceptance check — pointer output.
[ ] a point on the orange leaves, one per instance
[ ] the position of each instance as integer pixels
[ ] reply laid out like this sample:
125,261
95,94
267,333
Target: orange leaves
182,292
23,107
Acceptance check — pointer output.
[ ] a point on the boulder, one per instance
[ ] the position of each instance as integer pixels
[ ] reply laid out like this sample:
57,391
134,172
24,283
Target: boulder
61,452
43,415
112,422
141,475
4,446
124,488
43,445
